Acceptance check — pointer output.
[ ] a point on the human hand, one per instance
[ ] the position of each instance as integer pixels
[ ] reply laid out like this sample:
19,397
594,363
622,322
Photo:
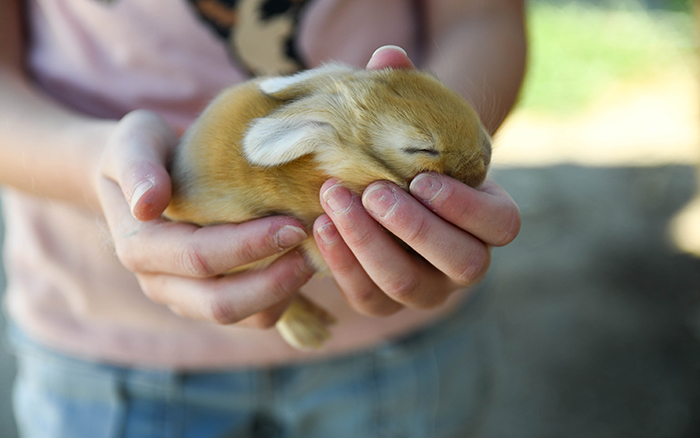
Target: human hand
451,225
181,265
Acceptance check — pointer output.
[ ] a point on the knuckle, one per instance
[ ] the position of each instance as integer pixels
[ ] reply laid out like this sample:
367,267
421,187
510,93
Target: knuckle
283,282
408,291
342,267
156,288
403,288
363,297
465,212
285,277
221,311
281,286
127,255
193,262
151,291
249,252
475,269
360,239
511,230
420,233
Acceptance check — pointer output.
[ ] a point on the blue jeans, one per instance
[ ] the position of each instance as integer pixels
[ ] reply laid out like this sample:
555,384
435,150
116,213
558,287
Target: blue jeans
434,383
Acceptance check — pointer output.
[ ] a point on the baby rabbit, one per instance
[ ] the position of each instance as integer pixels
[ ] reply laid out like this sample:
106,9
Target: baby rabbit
266,146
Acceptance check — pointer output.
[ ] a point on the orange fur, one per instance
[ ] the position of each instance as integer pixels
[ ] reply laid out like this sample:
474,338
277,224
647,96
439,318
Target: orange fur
366,126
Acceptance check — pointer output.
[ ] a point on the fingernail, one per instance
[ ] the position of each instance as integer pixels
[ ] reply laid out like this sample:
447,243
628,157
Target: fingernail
387,47
338,198
380,199
426,186
289,235
140,190
328,233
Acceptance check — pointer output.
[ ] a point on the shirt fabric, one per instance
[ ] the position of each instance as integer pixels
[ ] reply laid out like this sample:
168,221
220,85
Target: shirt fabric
104,58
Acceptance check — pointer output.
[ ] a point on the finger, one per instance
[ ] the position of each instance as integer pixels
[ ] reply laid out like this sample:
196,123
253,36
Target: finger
401,276
359,290
232,298
162,247
488,212
458,254
136,160
389,56
268,317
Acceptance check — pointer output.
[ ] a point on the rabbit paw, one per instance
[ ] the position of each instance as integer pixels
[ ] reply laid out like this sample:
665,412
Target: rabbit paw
304,325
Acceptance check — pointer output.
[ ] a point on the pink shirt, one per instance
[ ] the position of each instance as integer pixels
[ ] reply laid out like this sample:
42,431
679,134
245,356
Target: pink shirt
65,284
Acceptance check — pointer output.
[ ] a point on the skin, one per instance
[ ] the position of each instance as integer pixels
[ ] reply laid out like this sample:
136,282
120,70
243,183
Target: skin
117,169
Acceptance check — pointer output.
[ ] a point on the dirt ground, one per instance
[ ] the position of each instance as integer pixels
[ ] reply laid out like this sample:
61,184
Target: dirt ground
598,312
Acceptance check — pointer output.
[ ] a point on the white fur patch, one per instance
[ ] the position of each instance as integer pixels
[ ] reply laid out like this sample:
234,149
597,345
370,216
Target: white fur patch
276,84
275,141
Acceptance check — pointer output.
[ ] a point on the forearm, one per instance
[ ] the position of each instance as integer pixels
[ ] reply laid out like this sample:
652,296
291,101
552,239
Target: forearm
46,149
480,52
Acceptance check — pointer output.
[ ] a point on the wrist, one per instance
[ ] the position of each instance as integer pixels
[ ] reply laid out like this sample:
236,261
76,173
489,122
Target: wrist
48,150
89,141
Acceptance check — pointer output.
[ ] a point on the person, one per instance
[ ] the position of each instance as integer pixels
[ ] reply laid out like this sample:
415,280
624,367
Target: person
125,324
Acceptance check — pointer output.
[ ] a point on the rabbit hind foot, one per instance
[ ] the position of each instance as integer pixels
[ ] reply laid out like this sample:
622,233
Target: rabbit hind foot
305,325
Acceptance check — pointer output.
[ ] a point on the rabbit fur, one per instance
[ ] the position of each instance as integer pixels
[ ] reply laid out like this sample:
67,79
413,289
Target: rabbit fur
266,146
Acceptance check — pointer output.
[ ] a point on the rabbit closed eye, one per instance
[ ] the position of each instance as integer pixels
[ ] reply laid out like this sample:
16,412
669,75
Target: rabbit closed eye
266,146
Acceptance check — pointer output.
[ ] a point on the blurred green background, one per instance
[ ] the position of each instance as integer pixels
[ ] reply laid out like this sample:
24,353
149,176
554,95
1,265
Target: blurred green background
581,49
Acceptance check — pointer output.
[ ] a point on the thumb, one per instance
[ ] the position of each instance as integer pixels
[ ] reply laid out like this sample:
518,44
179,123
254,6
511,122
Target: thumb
390,56
137,160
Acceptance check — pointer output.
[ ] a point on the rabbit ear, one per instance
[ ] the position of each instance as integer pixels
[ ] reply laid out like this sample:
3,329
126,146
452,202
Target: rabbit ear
301,84
275,141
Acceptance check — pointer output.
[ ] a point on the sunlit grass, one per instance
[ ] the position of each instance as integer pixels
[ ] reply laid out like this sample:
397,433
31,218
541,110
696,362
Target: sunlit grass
578,52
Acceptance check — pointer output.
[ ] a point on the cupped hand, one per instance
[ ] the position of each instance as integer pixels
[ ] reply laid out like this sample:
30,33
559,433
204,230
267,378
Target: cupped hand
451,225
181,265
